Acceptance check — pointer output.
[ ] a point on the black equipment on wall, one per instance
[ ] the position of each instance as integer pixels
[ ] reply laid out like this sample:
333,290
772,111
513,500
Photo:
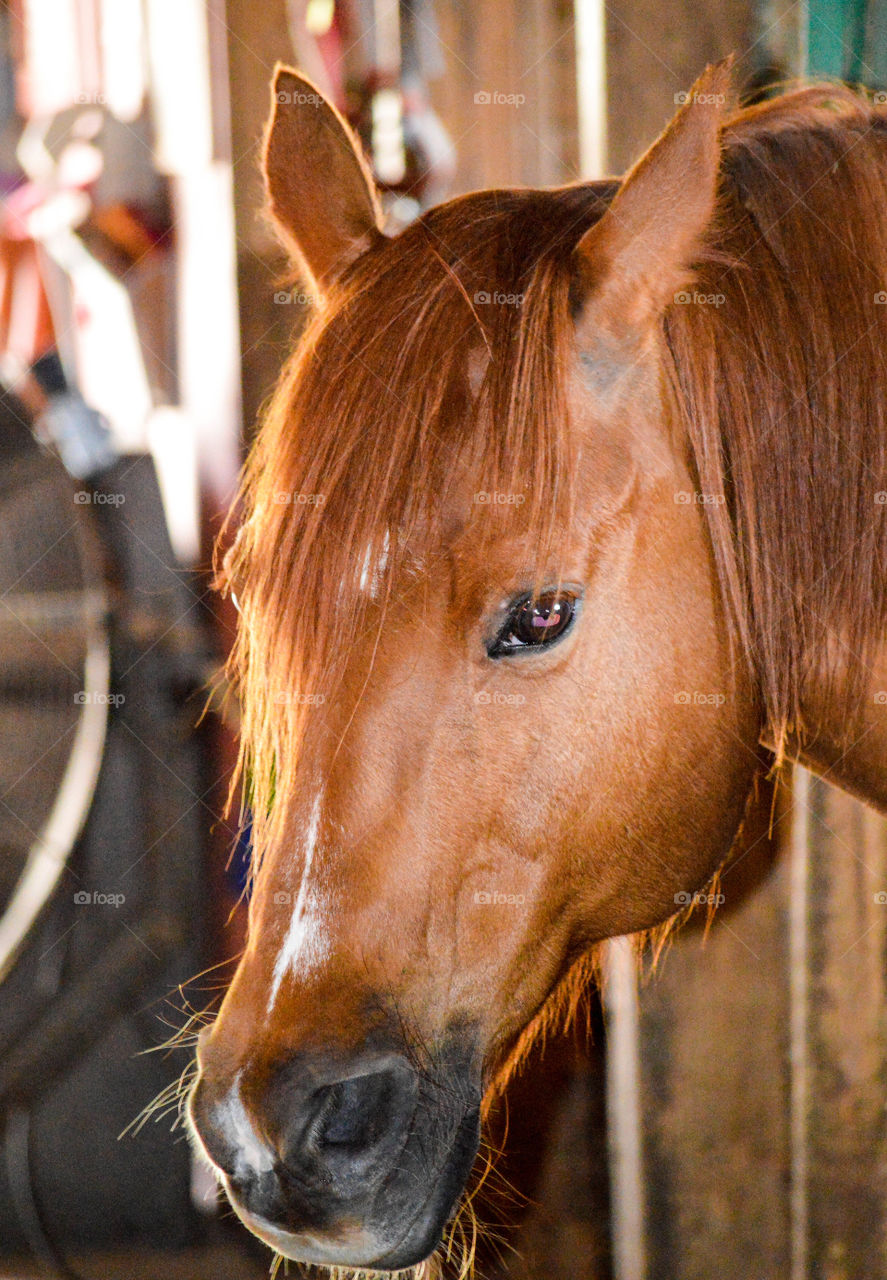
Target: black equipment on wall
102,662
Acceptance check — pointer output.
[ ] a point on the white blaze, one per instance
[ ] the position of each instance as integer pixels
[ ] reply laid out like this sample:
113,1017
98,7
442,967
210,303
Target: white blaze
370,581
252,1156
303,944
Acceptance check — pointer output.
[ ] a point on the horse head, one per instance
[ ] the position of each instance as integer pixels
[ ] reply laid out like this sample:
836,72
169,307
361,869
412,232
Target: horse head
491,710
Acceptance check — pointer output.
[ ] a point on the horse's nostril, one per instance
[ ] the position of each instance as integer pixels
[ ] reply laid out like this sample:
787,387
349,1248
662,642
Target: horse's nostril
354,1114
345,1129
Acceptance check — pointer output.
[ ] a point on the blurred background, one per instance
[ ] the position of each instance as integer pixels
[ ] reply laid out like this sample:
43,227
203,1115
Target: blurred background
703,1126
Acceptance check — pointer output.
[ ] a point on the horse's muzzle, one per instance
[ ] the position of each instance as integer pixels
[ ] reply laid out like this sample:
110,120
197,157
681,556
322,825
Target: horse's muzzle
356,1164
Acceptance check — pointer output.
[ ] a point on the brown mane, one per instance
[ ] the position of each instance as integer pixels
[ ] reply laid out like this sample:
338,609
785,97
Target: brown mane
373,413
777,388
783,392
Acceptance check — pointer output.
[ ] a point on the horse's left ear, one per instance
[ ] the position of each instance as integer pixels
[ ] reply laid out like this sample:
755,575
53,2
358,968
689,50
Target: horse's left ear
320,191
635,259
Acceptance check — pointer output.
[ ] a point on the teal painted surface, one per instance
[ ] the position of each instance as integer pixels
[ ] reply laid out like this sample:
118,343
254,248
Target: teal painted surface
847,39
828,25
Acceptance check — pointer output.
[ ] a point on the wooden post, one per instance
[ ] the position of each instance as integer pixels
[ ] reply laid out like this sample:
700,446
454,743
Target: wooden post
257,36
591,87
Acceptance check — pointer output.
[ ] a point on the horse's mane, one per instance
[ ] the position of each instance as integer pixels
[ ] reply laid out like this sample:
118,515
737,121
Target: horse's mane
374,414
783,393
777,389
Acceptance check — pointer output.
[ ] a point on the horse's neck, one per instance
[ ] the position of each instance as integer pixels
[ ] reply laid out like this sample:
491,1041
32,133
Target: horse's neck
850,751
817,448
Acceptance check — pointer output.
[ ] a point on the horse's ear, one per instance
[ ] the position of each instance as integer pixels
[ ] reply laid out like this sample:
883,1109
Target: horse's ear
320,191
635,259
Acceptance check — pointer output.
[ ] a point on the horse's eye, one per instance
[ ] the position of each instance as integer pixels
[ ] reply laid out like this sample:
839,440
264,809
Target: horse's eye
534,623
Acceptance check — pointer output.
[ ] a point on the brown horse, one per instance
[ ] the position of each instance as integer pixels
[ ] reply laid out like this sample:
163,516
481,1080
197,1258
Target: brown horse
569,507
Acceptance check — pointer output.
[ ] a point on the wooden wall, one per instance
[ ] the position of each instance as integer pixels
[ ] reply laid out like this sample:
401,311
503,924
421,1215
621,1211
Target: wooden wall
520,50
655,51
257,37
762,1053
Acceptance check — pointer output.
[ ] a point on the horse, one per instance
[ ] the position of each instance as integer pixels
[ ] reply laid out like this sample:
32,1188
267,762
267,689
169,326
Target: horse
565,521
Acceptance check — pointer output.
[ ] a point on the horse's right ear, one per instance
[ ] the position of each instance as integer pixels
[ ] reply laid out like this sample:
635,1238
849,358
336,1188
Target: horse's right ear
634,261
320,191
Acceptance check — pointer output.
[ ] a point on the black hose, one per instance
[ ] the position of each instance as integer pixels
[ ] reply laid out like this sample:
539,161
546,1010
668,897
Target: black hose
19,1171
